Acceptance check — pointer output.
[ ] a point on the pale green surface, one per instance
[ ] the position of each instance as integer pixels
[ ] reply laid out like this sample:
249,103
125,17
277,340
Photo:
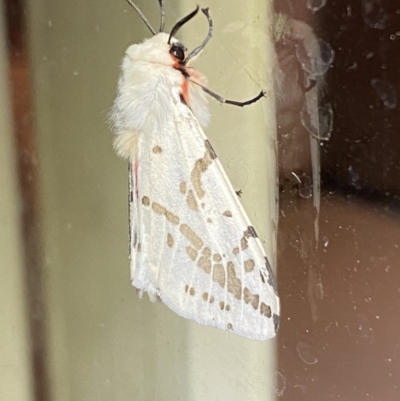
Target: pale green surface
15,379
106,344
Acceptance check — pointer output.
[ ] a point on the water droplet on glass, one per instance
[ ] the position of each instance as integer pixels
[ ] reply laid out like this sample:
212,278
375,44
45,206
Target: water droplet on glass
315,5
318,124
361,327
302,387
294,241
305,187
353,67
315,56
386,92
305,353
304,184
279,383
354,178
349,11
373,14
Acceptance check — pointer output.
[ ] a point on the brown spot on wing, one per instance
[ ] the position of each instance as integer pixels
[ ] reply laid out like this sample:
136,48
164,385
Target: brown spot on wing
194,239
217,257
249,298
206,251
219,275
161,210
265,309
191,290
191,201
182,187
200,166
145,201
157,149
227,213
170,240
204,262
191,252
234,284
249,265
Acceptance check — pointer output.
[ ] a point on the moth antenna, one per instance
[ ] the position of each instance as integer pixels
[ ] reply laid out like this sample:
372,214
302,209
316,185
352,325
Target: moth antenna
181,22
162,15
198,49
141,15
233,102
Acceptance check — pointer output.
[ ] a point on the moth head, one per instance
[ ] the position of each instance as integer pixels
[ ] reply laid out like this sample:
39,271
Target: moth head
178,51
163,48
157,50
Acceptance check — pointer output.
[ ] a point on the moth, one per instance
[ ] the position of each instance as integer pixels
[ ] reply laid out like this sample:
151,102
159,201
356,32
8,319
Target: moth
191,242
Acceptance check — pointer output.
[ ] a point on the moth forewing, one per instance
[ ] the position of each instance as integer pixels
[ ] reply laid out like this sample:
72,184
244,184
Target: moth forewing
191,241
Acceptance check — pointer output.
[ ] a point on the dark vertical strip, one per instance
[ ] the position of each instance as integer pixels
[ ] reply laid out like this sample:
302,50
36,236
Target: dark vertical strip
27,161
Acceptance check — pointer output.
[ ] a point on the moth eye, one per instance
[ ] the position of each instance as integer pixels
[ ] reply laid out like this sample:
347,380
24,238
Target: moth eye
177,52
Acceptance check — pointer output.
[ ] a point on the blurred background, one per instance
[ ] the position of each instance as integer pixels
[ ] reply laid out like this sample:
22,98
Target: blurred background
318,164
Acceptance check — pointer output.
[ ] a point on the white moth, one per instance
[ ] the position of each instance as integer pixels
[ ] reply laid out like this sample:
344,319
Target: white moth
191,242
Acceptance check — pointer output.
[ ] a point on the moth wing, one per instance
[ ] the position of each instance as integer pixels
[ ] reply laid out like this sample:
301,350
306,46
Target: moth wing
192,243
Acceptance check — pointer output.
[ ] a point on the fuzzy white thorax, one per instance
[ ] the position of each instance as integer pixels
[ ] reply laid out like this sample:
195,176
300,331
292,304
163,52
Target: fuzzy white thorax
148,90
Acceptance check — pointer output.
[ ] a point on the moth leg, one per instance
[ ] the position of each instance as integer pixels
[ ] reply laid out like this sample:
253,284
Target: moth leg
233,102
162,16
142,16
198,49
